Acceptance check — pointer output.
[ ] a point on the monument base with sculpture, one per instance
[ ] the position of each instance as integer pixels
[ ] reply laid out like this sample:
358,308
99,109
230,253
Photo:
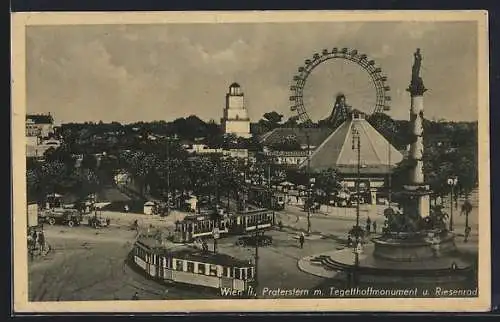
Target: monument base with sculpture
426,255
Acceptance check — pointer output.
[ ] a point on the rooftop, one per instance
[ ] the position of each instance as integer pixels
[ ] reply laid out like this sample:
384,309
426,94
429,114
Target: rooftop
40,118
376,153
316,135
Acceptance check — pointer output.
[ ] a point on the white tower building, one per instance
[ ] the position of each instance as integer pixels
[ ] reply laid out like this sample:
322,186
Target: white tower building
235,119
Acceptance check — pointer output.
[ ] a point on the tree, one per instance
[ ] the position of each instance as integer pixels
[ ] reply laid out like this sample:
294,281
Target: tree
466,210
274,118
328,180
292,121
389,128
289,143
89,162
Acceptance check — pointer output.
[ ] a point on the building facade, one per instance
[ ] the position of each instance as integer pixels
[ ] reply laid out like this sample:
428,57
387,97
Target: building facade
235,118
39,125
39,128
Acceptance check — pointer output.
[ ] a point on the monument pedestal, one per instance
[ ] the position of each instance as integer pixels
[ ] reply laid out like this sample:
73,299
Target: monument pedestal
410,247
416,201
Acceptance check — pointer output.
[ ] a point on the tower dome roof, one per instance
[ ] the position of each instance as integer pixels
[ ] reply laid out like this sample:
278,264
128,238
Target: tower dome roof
234,85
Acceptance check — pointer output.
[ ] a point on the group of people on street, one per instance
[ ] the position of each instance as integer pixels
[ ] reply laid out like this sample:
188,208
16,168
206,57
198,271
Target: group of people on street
36,242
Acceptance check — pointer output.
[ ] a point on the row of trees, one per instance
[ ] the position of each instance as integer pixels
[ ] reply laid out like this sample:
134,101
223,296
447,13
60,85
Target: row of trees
451,149
58,175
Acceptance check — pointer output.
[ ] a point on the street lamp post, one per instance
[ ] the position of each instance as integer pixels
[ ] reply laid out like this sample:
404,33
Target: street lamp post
269,191
389,181
452,182
308,203
356,145
256,278
216,236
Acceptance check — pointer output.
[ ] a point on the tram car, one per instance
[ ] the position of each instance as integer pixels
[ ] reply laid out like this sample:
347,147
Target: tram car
194,227
198,226
252,220
260,197
192,266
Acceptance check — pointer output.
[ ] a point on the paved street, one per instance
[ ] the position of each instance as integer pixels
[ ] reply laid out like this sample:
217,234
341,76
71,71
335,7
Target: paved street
88,264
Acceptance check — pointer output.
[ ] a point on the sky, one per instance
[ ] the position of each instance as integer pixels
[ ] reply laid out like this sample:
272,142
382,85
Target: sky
130,73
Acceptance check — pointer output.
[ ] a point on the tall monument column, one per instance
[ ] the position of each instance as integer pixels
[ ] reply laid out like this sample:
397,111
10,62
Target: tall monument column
418,193
417,91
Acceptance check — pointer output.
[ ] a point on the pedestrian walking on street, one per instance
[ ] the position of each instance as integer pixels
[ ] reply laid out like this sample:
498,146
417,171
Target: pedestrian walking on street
31,245
301,240
41,241
34,236
280,225
467,233
374,224
368,224
349,240
136,296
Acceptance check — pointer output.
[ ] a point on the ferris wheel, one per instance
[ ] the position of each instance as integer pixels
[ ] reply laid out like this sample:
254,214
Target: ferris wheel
353,78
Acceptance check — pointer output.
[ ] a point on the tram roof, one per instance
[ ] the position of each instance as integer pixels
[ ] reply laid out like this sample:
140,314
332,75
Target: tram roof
188,253
199,217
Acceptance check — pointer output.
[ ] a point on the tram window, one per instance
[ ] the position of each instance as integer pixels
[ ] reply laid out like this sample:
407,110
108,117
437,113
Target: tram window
201,268
213,270
190,267
238,274
179,265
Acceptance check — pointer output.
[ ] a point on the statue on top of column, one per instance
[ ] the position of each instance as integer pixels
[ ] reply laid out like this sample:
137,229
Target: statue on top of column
417,84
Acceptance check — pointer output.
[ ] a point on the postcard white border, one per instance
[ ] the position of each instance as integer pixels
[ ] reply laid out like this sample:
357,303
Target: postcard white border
19,22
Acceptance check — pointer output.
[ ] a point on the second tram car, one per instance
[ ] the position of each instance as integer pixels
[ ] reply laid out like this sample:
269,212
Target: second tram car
260,196
192,266
193,227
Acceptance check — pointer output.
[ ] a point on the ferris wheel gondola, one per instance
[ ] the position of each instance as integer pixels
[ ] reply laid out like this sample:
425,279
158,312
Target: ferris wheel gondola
381,97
